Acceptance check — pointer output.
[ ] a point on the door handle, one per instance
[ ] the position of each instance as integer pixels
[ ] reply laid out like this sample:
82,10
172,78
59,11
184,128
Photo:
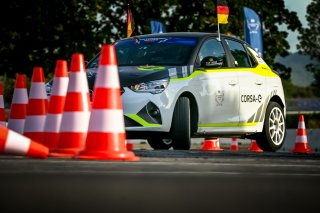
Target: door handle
258,82
232,82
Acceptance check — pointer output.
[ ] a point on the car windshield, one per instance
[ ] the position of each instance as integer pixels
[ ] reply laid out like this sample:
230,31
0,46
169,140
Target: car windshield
168,51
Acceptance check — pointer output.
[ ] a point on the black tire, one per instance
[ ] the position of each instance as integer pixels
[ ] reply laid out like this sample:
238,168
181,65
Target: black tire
180,127
158,143
274,129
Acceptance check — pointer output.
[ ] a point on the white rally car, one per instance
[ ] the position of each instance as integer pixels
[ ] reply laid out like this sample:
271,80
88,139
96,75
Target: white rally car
181,85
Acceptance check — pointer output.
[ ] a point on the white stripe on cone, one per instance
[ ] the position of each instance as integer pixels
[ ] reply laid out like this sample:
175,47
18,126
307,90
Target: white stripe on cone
301,139
16,125
16,144
60,86
234,143
102,120
75,122
37,91
1,102
301,125
77,82
108,77
20,96
53,124
34,123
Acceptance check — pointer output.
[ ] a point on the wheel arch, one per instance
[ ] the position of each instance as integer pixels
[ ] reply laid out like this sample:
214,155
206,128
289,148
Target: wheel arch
278,100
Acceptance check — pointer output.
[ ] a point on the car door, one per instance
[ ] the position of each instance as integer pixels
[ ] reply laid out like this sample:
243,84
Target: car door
252,83
219,105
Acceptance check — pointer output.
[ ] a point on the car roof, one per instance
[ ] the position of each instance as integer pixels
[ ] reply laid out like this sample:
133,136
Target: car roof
184,34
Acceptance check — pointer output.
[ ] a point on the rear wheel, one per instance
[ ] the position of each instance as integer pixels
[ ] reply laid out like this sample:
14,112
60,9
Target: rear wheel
158,143
274,129
180,127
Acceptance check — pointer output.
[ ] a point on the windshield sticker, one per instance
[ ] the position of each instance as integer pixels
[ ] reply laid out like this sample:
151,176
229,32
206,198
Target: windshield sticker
169,40
153,40
150,68
184,71
172,72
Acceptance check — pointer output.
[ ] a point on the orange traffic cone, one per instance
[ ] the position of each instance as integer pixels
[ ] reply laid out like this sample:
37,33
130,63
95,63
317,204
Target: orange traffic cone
234,144
106,133
56,105
76,113
15,144
18,111
301,142
37,107
211,144
129,145
2,111
254,147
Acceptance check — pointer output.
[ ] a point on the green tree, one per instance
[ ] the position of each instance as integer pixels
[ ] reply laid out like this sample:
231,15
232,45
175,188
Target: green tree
37,33
310,42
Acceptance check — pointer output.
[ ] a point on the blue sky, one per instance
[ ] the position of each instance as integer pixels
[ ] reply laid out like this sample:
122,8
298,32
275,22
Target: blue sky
299,6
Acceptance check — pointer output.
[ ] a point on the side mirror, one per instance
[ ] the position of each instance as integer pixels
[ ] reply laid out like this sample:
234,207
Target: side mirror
211,62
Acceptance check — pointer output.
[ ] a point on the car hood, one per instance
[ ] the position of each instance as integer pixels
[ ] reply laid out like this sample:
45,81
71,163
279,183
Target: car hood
130,75
134,75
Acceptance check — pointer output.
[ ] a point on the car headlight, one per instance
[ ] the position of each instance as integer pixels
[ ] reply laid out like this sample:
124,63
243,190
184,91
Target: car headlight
154,87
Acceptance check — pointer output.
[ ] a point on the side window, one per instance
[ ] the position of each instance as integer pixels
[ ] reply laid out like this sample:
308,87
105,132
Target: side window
251,57
252,60
239,53
213,47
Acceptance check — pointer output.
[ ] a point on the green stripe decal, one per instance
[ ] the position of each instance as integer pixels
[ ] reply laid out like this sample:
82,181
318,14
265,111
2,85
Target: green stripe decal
228,124
139,120
258,71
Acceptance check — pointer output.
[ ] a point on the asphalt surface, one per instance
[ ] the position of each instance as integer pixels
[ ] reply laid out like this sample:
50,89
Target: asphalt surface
163,181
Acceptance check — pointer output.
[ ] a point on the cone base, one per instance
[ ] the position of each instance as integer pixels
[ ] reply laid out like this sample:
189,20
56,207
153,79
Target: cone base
234,148
307,151
211,145
108,155
129,146
255,150
64,153
210,148
37,150
51,140
301,148
304,151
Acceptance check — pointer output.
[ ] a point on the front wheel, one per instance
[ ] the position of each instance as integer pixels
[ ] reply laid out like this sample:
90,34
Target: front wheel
274,129
180,127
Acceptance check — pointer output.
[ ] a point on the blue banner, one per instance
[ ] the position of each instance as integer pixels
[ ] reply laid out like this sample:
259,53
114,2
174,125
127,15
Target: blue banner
157,27
253,30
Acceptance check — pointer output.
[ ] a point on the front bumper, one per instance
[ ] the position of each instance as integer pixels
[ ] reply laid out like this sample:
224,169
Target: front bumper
146,112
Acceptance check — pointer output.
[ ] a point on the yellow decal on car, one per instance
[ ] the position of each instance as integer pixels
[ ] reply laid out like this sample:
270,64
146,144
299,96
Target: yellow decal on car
228,124
141,121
